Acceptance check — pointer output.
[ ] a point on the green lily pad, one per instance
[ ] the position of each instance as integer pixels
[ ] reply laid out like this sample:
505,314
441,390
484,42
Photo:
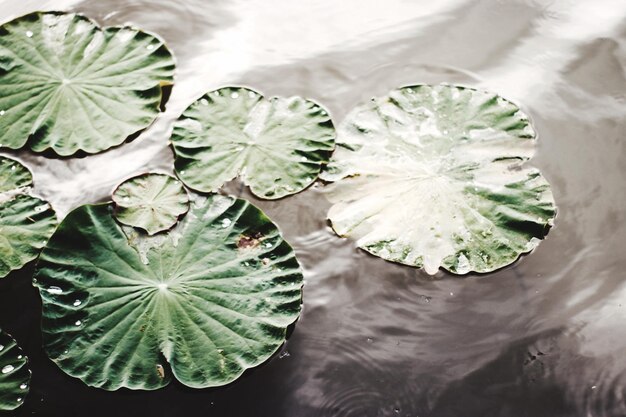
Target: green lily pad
277,146
152,202
202,302
14,374
13,175
68,85
434,176
26,222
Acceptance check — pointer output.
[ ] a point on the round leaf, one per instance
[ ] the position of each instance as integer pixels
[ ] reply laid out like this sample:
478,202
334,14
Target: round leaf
67,85
14,374
203,302
26,222
433,176
276,145
152,202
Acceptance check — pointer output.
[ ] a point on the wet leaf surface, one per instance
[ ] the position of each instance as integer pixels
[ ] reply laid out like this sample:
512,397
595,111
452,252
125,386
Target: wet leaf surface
26,222
14,374
68,85
152,202
435,176
276,145
122,309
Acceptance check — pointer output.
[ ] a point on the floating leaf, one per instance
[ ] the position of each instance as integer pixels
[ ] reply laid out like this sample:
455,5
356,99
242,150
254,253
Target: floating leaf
202,302
13,175
26,222
67,85
276,145
14,374
433,176
152,202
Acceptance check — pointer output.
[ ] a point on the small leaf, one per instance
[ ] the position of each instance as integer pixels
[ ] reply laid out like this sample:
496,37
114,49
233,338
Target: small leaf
434,176
276,145
14,374
152,202
26,222
67,85
124,309
13,175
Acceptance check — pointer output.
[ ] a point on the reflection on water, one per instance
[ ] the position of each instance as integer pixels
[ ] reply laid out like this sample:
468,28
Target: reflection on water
540,338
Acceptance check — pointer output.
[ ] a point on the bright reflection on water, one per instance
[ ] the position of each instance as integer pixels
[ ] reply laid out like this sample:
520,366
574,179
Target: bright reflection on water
541,338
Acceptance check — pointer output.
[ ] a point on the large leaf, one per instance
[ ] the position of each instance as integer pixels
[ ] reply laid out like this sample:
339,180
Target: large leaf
26,222
14,374
67,85
152,202
203,302
434,176
276,145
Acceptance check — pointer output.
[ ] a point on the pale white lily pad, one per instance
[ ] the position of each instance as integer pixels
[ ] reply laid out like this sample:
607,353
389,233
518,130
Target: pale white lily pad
152,202
276,145
436,176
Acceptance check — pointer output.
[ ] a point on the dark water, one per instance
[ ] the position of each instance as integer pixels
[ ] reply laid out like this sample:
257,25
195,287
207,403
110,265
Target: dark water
544,337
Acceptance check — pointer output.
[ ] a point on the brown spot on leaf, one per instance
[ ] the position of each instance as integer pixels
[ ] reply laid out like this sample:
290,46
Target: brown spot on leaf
249,241
160,371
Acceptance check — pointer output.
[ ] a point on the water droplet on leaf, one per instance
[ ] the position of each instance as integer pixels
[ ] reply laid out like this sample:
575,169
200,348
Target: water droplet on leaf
55,290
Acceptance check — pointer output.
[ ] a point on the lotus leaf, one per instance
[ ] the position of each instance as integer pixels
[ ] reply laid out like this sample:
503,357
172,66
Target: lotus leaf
277,146
14,374
202,303
152,202
68,85
436,176
26,222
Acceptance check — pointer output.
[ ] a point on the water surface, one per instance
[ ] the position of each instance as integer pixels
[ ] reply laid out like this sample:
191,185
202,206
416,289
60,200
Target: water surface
543,337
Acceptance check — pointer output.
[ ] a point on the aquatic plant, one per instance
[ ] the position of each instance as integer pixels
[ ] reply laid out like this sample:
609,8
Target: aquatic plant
14,374
68,85
202,302
436,176
26,222
277,145
152,202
